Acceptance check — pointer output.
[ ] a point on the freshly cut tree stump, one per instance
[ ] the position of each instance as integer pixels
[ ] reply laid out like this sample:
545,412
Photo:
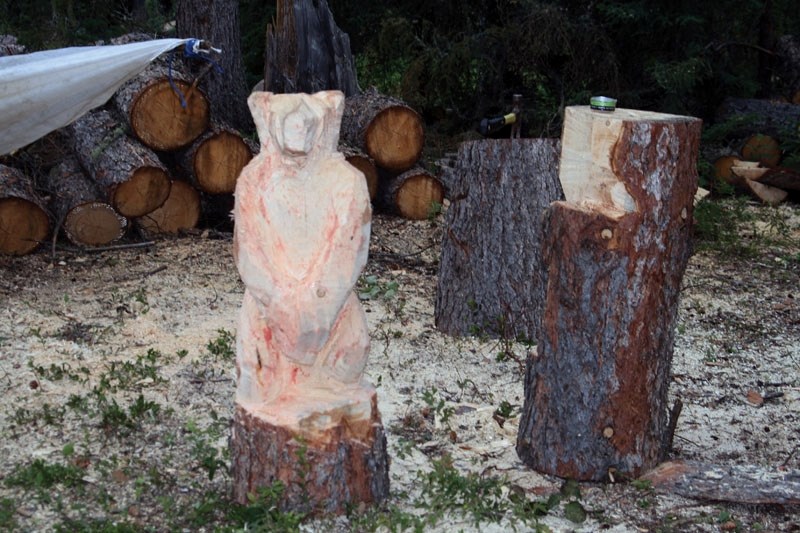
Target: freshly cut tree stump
214,161
416,194
155,111
180,211
614,254
490,276
305,415
387,129
762,148
129,175
365,164
24,222
86,219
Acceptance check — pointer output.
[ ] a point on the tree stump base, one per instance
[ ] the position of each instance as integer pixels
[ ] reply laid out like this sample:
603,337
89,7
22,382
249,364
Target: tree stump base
329,452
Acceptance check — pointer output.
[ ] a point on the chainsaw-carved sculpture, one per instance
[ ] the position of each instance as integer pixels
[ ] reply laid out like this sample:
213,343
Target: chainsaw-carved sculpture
304,414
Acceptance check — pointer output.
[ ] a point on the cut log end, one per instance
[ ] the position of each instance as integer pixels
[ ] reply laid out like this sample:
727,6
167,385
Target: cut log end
146,190
419,197
180,211
762,148
218,162
94,224
158,119
395,138
23,225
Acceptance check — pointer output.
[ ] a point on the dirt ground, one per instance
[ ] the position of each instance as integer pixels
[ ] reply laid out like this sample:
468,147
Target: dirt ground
117,365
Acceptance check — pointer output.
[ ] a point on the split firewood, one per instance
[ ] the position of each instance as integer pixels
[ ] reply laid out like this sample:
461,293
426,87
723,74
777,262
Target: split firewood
364,163
128,174
24,221
215,159
415,194
85,218
762,148
181,211
163,107
304,413
748,484
614,255
387,129
782,178
747,175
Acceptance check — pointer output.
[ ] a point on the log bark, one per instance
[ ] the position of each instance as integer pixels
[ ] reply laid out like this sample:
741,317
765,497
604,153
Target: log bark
386,128
9,46
365,164
782,178
215,159
490,277
614,252
24,221
745,484
153,102
85,218
766,116
307,52
128,174
180,211
416,194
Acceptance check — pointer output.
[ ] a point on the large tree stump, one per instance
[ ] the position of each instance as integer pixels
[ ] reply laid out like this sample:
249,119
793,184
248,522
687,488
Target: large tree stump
24,222
387,129
614,253
180,211
85,218
490,276
307,52
130,175
215,159
151,105
304,416
415,194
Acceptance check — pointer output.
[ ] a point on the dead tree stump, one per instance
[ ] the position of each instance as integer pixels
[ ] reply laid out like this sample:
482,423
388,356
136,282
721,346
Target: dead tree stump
85,218
490,277
305,416
614,253
24,222
129,174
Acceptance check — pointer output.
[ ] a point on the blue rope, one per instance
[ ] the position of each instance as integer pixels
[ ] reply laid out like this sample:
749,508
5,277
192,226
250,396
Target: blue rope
191,49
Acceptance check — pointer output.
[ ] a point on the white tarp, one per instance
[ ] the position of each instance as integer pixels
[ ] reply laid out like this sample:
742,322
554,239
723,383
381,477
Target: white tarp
44,91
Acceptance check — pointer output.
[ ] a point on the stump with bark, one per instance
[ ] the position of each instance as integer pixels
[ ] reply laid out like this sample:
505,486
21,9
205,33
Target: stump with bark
387,129
490,277
415,194
85,218
180,211
164,108
215,159
24,222
128,174
614,254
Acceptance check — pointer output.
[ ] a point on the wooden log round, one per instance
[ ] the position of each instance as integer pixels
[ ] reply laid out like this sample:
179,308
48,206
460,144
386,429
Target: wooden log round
180,211
416,194
130,175
490,276
762,148
365,164
155,111
86,219
614,253
24,221
386,128
215,159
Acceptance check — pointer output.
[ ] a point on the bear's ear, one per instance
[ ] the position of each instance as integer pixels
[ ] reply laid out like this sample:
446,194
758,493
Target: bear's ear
331,99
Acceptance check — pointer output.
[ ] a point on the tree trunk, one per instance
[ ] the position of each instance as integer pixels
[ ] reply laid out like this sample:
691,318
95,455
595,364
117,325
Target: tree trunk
127,173
614,255
158,116
414,195
180,211
85,218
307,52
365,164
490,277
389,131
217,21
24,222
213,161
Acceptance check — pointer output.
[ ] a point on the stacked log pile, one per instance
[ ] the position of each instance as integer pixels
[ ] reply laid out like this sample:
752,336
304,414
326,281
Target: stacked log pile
152,156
